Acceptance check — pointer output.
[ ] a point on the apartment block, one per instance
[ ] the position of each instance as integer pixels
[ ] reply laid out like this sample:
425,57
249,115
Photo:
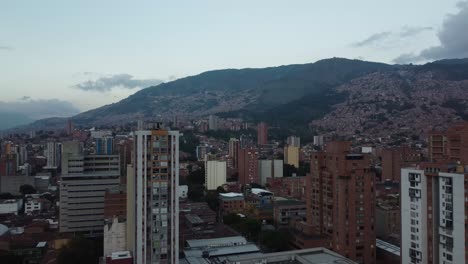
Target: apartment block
153,201
248,166
341,201
83,183
215,174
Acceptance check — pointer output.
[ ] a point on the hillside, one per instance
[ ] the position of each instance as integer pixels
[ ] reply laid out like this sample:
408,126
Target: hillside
341,95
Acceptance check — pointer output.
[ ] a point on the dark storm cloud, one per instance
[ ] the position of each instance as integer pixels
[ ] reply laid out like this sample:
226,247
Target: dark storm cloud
37,109
453,39
104,84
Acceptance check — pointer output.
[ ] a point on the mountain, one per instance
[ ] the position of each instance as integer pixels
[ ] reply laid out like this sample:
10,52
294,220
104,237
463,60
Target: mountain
340,95
251,91
13,119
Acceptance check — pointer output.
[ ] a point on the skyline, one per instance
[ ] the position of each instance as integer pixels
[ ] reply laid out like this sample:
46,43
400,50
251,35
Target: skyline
87,55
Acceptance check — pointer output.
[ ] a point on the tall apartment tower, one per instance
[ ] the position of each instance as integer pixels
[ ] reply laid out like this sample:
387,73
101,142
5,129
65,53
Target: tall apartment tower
248,166
104,145
341,201
83,183
262,134
291,155
434,202
234,146
52,153
153,203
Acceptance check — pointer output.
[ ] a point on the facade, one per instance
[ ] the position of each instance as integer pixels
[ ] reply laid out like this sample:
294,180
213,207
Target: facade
269,169
341,201
291,156
213,122
8,164
286,210
154,201
104,145
394,159
12,184
230,203
215,174
262,134
450,146
293,141
32,205
115,202
248,166
291,187
433,214
83,183
52,153
115,236
10,206
233,152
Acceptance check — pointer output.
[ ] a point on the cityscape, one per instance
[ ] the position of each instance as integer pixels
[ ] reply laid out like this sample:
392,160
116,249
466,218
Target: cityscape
260,147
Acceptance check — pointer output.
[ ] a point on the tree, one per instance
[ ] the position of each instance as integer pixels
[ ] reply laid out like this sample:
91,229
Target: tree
275,240
27,189
6,196
80,251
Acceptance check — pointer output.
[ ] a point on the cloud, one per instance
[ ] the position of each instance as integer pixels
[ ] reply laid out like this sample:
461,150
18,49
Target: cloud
37,109
25,98
373,39
6,48
107,83
389,38
411,31
452,36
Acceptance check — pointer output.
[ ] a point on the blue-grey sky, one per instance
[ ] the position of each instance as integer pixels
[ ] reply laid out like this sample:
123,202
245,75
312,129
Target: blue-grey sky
91,53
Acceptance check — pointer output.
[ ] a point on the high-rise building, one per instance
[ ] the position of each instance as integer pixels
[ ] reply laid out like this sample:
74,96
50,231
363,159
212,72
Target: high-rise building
215,174
233,152
293,141
83,183
213,122
269,169
341,201
262,133
433,214
153,208
318,141
434,202
248,166
69,127
291,156
104,145
52,152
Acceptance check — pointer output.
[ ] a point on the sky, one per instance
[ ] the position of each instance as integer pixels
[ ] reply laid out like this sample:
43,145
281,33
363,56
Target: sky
79,55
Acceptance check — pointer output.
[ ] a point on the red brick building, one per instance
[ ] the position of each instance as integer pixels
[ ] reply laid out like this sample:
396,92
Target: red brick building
248,166
115,203
341,201
262,134
290,187
394,159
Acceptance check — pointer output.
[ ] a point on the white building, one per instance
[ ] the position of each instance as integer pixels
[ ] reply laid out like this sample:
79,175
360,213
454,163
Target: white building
269,169
183,191
32,205
294,141
115,236
433,209
52,152
155,214
215,174
10,206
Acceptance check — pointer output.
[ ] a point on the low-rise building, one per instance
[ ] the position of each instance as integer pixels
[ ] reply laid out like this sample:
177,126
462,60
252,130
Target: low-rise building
11,206
286,209
231,203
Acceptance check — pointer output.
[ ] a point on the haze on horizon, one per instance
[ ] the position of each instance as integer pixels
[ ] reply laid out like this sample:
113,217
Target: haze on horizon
78,56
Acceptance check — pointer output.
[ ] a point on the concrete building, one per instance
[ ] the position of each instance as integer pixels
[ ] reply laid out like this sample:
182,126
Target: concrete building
269,169
33,205
262,133
52,152
318,141
450,146
83,183
153,200
12,184
213,122
233,151
433,217
284,210
388,219
234,252
115,236
104,145
183,191
291,156
215,174
293,141
248,166
121,257
230,203
341,201
11,206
